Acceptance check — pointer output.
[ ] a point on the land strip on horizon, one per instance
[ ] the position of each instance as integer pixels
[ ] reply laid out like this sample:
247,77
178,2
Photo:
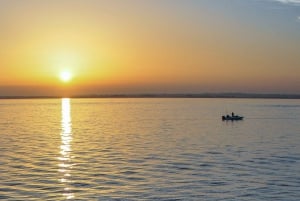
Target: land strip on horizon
161,95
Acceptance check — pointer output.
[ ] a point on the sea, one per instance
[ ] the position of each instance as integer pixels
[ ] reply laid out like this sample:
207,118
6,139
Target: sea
149,149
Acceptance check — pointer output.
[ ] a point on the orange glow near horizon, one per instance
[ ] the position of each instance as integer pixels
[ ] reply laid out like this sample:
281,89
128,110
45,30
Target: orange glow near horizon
175,49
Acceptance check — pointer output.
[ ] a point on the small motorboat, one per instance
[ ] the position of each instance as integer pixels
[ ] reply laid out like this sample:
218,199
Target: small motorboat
232,118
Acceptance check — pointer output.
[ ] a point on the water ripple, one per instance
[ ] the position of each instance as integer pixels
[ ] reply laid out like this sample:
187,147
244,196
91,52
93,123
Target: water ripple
145,149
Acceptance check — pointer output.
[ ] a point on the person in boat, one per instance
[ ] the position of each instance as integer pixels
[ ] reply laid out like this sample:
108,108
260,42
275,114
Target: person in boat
232,114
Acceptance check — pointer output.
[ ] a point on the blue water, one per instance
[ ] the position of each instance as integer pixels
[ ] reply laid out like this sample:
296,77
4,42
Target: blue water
149,149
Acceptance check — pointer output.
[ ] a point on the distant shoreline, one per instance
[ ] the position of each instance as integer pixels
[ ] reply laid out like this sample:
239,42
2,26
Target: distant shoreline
179,95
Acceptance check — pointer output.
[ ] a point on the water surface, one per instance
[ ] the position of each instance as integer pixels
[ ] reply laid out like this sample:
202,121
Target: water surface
149,149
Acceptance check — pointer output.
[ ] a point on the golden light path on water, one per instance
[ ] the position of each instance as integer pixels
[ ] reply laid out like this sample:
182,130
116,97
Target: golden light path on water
65,159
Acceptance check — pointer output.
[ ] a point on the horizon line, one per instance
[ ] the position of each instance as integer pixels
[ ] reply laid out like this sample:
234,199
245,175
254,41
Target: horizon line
166,95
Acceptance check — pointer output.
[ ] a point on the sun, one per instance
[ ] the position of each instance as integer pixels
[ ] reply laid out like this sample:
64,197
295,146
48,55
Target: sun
65,76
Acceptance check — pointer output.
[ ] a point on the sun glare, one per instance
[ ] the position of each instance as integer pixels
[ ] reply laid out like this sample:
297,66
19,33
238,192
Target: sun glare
65,76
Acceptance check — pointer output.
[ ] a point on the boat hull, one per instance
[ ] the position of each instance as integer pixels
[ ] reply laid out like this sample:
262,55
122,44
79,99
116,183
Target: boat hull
230,118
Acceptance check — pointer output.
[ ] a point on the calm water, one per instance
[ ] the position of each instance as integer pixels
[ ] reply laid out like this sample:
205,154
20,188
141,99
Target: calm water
149,149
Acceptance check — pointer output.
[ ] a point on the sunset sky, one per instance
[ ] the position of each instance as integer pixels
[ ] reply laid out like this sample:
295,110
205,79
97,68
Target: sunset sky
143,46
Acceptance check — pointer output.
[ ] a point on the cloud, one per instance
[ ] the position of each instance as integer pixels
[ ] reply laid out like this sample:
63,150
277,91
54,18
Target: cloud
295,2
290,2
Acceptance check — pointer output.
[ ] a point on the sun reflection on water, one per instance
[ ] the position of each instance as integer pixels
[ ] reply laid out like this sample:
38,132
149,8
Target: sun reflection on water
65,159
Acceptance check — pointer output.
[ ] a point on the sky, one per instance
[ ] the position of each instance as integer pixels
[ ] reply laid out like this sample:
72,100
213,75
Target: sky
149,46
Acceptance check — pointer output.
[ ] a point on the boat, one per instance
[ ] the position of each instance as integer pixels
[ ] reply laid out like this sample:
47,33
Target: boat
232,118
